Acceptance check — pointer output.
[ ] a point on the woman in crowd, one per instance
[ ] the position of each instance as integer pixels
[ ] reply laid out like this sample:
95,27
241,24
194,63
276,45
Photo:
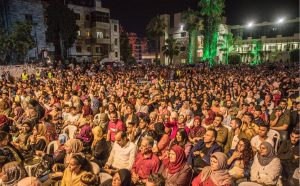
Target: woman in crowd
240,160
182,140
266,167
216,174
85,135
209,117
37,141
100,147
197,132
175,169
78,167
121,178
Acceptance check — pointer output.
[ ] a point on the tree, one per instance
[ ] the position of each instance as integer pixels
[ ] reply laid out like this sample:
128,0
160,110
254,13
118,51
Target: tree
125,48
212,11
155,29
61,26
227,44
171,49
20,40
3,45
192,24
256,52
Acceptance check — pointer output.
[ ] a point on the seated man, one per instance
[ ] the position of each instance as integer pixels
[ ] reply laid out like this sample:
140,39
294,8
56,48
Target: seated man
234,135
145,163
288,154
222,132
200,154
280,121
261,137
122,154
250,128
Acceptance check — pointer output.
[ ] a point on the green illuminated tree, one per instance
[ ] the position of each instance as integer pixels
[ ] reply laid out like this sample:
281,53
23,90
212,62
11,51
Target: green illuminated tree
191,20
155,29
212,11
171,49
256,52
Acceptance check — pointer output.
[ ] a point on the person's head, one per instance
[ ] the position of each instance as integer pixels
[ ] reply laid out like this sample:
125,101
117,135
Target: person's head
176,155
113,116
263,130
218,120
235,123
279,111
4,139
144,122
89,179
146,145
181,136
63,138
153,116
26,127
245,148
121,138
130,109
223,111
130,127
248,117
121,178
29,181
79,163
283,103
197,121
294,136
257,113
73,146
218,161
266,149
155,180
210,136
163,103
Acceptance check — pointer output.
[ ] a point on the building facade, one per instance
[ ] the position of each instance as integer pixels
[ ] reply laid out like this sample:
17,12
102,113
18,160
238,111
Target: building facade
98,35
175,28
272,40
12,11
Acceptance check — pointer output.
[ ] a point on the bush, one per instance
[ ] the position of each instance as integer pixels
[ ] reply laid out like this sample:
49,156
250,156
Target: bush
294,55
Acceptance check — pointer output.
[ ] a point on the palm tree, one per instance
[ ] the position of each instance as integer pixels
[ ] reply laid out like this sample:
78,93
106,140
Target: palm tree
212,11
155,29
171,49
192,24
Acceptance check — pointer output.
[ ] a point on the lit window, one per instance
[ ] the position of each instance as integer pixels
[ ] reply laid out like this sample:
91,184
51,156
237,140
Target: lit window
88,34
78,33
99,34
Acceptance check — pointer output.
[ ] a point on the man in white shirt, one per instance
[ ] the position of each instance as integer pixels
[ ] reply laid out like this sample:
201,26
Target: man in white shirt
122,155
261,137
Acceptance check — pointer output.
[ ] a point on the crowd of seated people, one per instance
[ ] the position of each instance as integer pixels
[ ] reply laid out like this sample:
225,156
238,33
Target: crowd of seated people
180,126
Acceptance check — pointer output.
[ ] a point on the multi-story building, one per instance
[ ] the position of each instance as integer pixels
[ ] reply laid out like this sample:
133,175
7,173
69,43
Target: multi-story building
136,46
175,28
31,11
98,35
273,40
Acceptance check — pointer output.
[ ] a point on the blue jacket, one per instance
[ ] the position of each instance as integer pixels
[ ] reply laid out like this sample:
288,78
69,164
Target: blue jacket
206,158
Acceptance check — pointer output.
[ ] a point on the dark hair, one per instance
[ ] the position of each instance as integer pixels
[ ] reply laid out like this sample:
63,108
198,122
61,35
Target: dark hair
249,114
295,131
145,119
265,125
184,136
220,116
3,135
238,121
157,179
90,179
215,133
83,162
247,154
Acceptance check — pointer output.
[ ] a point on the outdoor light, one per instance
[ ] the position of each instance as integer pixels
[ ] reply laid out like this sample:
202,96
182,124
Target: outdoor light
181,27
250,24
280,20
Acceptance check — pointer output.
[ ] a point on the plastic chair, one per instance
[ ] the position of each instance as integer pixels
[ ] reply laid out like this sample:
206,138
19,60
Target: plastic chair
275,136
71,131
55,146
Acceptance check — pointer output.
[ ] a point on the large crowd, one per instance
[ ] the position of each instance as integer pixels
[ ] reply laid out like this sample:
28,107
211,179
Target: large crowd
82,125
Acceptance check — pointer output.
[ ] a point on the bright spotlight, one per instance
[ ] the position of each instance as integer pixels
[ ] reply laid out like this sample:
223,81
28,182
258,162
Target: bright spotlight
280,20
181,27
250,24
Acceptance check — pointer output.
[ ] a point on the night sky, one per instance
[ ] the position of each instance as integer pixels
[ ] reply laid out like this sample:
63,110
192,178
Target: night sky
135,14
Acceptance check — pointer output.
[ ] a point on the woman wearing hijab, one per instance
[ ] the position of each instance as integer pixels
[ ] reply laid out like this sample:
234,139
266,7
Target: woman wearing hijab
37,140
121,178
266,167
208,119
100,147
85,135
175,169
216,174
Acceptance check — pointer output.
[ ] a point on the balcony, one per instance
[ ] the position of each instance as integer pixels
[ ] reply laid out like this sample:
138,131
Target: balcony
101,40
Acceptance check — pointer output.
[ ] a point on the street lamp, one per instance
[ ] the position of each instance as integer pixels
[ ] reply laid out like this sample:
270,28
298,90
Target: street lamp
250,24
181,27
280,20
